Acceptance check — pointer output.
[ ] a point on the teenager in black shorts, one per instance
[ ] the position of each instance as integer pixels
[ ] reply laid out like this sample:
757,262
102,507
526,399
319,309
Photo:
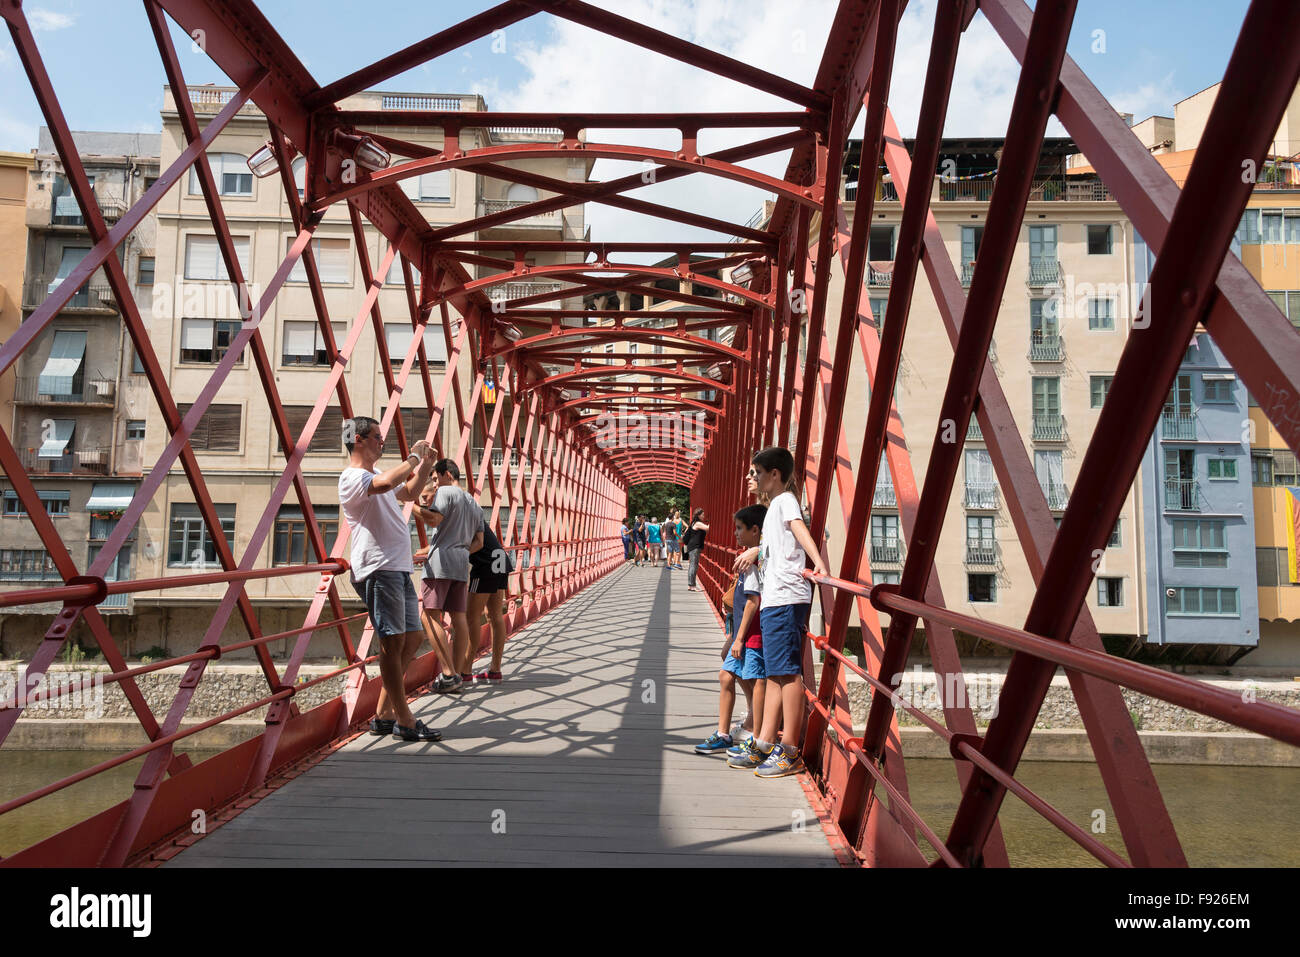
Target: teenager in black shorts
489,570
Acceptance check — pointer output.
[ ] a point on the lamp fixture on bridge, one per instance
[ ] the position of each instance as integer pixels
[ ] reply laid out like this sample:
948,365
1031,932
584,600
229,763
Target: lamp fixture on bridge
368,154
743,274
714,371
264,162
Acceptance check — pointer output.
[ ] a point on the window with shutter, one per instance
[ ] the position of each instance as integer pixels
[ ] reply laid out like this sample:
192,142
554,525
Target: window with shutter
328,437
203,259
218,428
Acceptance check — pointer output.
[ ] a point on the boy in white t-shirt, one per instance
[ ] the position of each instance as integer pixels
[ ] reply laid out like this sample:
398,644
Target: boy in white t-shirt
786,601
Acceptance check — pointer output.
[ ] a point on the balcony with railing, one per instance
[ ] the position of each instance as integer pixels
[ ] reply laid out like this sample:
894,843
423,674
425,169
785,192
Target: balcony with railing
1044,272
89,461
95,391
515,462
92,297
1183,495
981,495
1057,495
1049,427
879,275
884,496
966,190
973,433
553,220
981,551
522,289
1178,426
64,211
886,551
967,273
1045,346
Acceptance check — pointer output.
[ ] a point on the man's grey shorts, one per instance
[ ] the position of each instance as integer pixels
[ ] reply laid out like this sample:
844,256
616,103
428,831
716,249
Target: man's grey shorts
390,599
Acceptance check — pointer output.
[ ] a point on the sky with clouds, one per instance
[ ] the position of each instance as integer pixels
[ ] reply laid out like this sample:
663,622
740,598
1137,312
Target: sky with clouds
1155,53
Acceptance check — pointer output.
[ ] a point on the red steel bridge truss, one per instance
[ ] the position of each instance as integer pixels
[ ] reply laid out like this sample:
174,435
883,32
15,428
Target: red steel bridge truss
778,378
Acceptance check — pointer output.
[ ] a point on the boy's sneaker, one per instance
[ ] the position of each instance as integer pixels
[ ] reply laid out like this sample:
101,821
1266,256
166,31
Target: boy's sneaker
781,763
713,743
739,747
749,758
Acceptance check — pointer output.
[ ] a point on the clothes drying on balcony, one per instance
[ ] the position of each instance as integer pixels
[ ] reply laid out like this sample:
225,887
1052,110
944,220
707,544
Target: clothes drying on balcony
55,443
67,353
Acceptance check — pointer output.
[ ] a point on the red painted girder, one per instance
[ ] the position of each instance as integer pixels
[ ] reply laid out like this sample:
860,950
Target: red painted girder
487,119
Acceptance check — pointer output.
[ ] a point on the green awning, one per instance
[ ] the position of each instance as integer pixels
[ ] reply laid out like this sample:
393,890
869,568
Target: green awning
56,442
110,495
66,355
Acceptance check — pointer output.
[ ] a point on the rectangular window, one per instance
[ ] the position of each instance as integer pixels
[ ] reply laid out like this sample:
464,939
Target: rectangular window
1268,573
333,261
135,428
880,245
144,271
290,545
304,343
1248,231
1261,468
1223,468
1270,221
1292,226
1099,242
1288,303
203,259
395,277
188,541
1199,543
971,237
230,172
885,578
1116,540
328,437
1110,592
432,187
1285,468
218,428
1099,386
878,313
55,502
27,564
1216,389
1101,314
398,336
207,340
981,588
1218,602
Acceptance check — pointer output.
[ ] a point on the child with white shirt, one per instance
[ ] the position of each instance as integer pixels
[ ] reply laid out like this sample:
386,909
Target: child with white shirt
786,601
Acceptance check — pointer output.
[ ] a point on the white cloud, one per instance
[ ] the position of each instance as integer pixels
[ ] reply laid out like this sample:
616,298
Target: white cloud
47,21
1156,98
569,67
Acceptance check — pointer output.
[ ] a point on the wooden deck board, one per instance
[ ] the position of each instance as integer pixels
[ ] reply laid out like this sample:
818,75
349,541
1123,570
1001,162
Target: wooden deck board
584,754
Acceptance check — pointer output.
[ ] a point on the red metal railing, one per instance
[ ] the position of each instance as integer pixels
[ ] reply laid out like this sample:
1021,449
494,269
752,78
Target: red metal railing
766,361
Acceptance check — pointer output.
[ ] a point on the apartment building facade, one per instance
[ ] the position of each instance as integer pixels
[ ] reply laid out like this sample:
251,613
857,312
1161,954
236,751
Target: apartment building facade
77,404
196,316
1064,318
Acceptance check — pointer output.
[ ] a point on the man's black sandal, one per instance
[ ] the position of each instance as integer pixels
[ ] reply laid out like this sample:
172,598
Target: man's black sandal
421,732
380,726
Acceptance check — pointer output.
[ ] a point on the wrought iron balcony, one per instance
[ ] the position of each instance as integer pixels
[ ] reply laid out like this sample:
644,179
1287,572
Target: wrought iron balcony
981,495
1045,347
65,212
96,296
967,273
1049,427
523,289
1179,426
973,433
1182,495
1057,495
887,551
981,552
884,495
879,277
96,391
966,190
91,461
1044,272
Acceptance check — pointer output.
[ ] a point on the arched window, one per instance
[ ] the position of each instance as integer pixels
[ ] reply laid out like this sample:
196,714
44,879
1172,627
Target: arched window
231,172
519,193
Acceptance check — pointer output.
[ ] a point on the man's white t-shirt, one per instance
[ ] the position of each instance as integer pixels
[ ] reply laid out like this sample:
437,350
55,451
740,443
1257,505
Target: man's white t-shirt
381,539
781,558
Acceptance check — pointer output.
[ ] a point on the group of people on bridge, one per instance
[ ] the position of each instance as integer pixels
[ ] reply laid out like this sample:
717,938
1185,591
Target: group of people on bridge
465,572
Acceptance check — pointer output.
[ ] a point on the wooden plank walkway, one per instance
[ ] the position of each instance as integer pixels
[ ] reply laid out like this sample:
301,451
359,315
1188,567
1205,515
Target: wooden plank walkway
582,757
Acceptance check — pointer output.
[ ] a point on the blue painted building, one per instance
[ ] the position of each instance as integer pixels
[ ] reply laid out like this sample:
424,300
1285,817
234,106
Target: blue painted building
1198,515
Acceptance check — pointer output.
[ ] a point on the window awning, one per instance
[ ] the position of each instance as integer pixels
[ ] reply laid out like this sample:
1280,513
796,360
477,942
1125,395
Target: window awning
72,257
1220,376
110,495
66,356
56,444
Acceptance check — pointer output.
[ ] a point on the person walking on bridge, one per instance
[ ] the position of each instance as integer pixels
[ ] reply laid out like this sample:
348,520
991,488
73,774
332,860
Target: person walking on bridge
695,536
371,502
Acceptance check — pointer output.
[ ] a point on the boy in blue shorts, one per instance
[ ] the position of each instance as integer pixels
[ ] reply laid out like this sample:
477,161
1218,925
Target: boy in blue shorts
786,601
743,661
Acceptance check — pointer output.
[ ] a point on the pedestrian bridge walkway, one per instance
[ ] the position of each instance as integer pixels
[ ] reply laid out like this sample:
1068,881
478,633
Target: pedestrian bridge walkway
584,756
